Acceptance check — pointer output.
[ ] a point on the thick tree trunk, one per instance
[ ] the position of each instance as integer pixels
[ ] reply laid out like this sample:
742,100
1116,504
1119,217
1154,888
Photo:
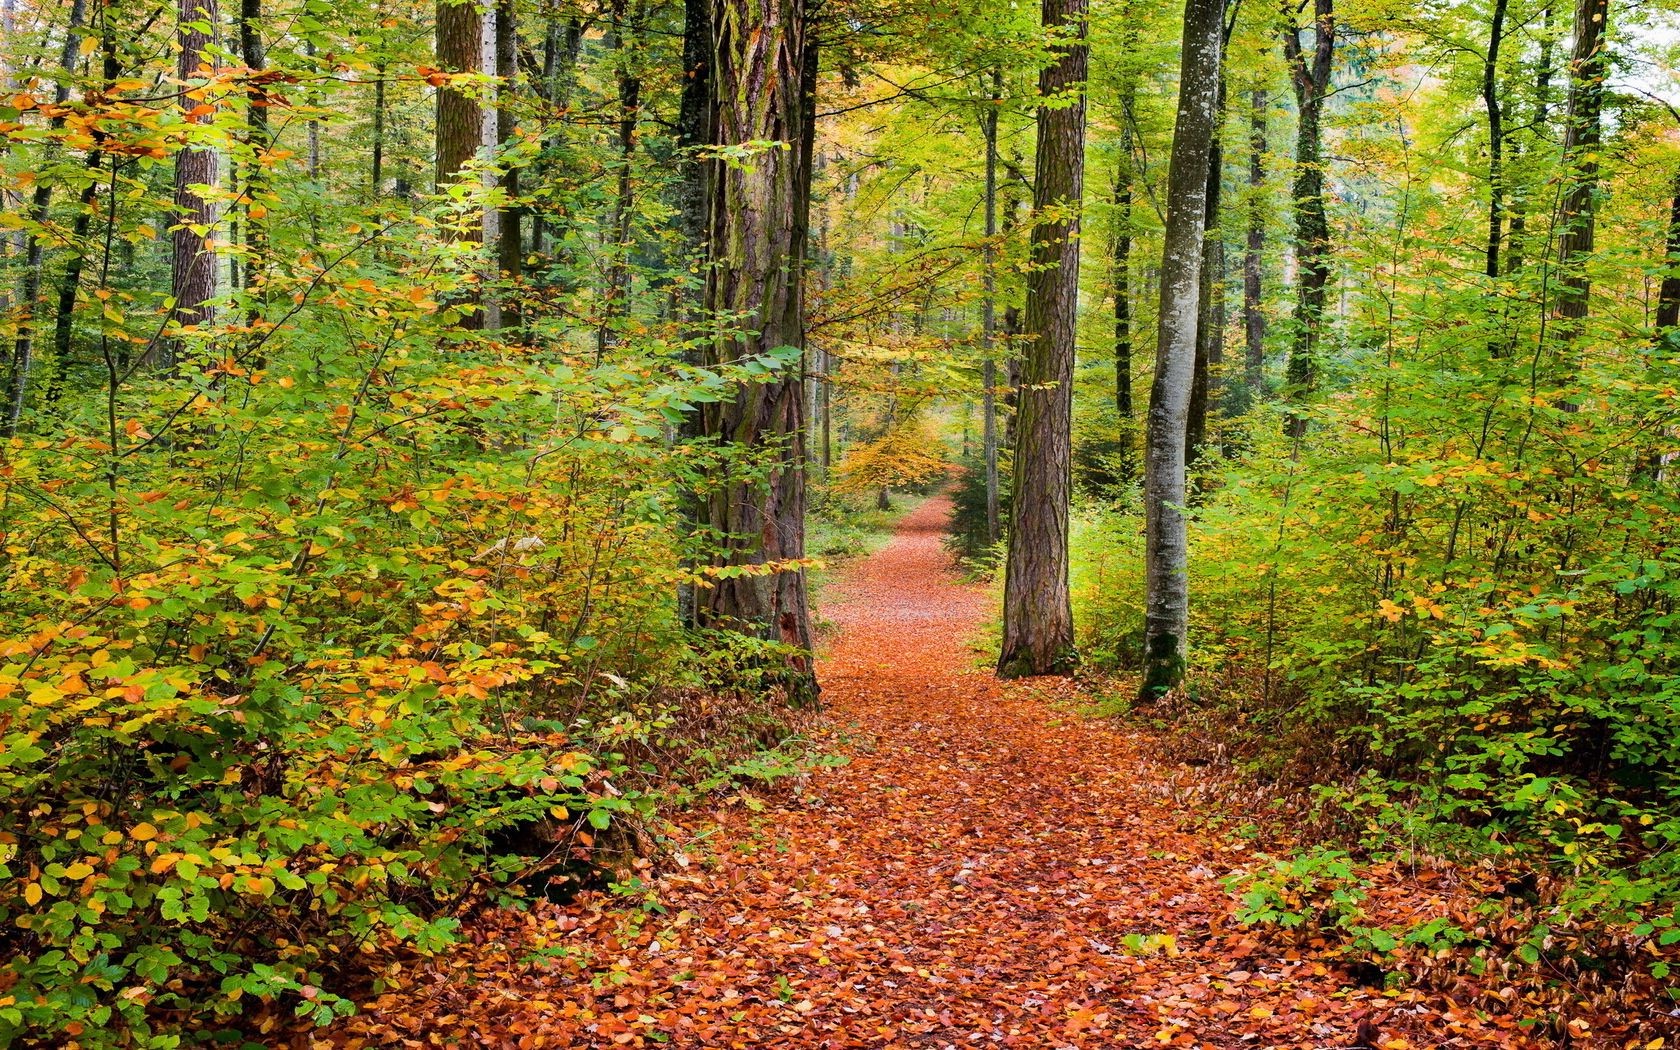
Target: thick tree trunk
460,118
1037,608
755,256
1589,65
192,266
1210,322
1167,609
1311,80
988,316
1254,317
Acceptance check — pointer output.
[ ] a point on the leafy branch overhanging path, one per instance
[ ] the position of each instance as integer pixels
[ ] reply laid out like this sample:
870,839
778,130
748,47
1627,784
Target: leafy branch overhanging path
969,879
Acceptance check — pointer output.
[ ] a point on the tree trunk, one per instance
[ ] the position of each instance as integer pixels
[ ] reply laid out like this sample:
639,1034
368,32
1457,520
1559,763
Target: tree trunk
988,315
694,122
755,255
1210,334
510,244
460,118
1037,608
192,266
1513,260
1311,81
256,176
1588,68
1167,609
1254,317
1122,290
1668,295
617,305
1496,139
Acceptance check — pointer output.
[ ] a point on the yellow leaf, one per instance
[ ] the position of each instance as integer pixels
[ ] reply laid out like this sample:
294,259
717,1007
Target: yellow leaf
32,893
164,862
78,870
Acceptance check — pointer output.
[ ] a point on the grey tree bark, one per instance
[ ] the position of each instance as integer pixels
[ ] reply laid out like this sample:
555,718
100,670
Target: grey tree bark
1037,607
1167,609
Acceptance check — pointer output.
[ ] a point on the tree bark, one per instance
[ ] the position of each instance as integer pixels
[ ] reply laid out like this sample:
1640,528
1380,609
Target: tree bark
256,140
510,243
1210,322
192,266
988,314
1254,317
1589,65
1311,81
617,305
1167,609
755,255
460,118
1037,607
1496,139
1668,295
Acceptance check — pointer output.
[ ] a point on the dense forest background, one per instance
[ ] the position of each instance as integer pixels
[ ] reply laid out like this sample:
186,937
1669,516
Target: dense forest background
421,424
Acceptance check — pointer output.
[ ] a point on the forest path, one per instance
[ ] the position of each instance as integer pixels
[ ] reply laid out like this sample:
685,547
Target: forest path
969,879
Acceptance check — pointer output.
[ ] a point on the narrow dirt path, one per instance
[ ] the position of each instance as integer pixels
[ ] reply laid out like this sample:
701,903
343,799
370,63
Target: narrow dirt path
969,879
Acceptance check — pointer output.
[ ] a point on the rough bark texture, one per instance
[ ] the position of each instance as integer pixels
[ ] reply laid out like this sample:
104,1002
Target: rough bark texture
192,267
755,254
1037,609
1167,609
694,120
1310,77
460,123
1254,316
1588,66
460,119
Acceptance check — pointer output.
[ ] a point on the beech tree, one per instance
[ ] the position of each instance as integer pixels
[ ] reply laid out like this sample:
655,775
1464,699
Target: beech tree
1167,601
1037,609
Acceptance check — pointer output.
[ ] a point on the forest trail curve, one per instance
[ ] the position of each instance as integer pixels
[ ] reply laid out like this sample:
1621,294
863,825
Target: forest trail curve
971,878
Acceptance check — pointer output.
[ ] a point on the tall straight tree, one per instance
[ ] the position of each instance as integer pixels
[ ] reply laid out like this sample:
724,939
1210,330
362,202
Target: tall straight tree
1589,65
192,266
1167,603
1037,608
761,66
988,312
460,118
1254,317
1309,73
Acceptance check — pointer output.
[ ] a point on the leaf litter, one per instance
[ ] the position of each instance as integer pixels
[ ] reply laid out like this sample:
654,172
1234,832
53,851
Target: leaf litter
989,869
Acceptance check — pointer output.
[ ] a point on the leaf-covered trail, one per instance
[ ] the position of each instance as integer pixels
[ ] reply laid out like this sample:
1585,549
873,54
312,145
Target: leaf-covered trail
969,879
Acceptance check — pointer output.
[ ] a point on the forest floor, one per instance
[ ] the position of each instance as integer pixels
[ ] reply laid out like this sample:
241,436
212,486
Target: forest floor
968,879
